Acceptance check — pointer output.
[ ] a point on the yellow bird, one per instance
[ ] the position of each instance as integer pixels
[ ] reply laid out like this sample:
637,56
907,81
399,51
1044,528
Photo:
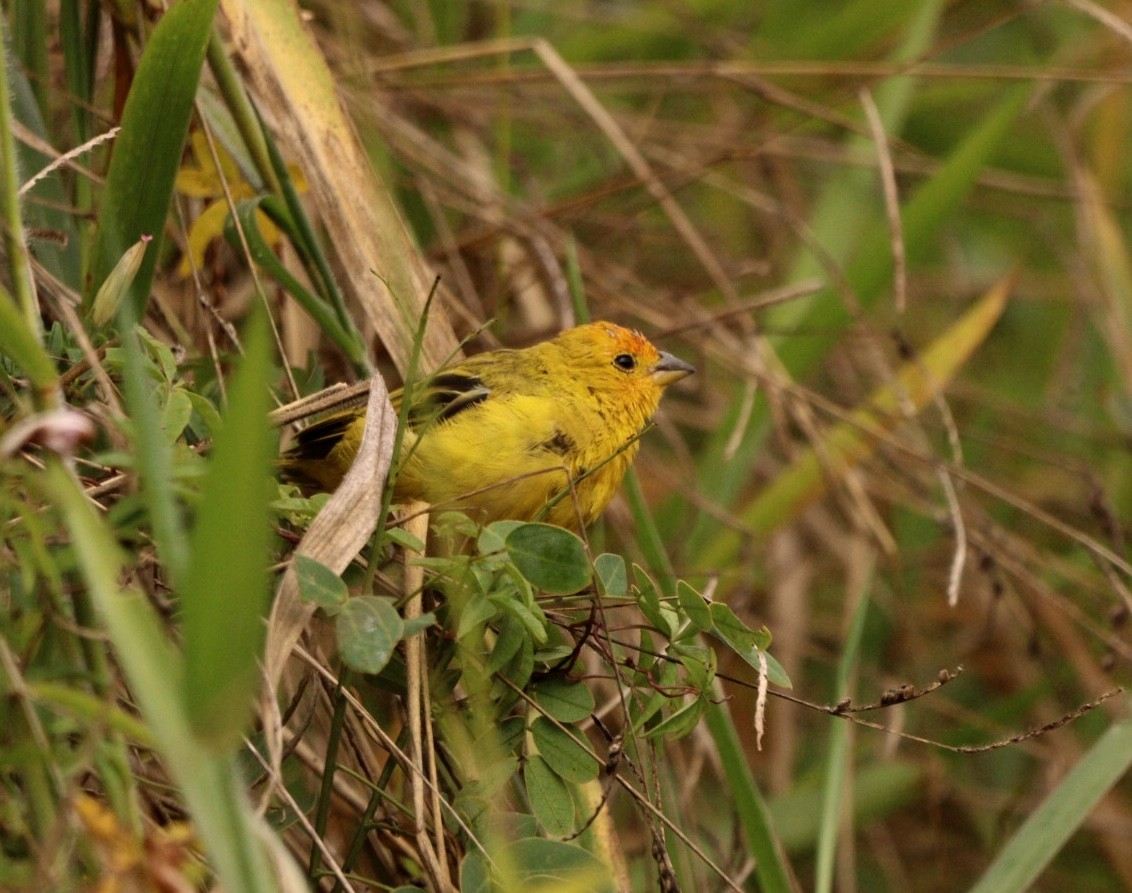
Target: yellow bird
509,433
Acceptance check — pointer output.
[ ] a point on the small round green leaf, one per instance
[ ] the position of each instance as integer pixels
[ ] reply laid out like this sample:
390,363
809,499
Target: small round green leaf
549,557
612,578
493,538
369,628
318,584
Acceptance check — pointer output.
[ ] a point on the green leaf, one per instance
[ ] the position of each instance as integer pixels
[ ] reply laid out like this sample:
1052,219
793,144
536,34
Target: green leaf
160,355
401,537
549,797
1063,812
564,700
175,414
662,617
698,662
512,634
534,620
19,343
643,710
493,538
694,606
203,407
214,791
319,585
549,557
474,874
147,152
612,578
563,751
544,865
227,581
746,642
680,722
476,613
369,628
519,668
418,624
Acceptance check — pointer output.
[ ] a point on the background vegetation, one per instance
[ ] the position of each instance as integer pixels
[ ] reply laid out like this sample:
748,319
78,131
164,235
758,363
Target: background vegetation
891,236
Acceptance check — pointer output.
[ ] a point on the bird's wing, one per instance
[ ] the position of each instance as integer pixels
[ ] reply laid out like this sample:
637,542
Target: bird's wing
438,399
444,396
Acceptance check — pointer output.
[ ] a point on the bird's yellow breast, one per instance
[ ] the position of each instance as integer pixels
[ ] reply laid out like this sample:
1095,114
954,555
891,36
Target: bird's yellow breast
512,457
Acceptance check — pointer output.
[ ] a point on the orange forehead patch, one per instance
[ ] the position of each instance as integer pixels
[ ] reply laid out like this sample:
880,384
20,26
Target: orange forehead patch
628,340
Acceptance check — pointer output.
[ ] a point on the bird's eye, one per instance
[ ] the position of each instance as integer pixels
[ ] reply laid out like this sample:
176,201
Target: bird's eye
625,361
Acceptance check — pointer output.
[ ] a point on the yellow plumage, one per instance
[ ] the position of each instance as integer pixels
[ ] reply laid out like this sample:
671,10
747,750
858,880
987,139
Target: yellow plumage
503,434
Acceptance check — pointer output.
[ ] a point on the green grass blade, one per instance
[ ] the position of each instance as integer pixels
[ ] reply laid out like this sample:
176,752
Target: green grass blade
226,584
147,153
838,756
1062,813
211,786
772,868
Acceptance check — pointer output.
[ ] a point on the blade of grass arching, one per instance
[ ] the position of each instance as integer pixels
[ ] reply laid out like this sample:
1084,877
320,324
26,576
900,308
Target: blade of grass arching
318,264
838,754
381,267
232,835
147,152
853,441
241,109
226,583
262,253
771,865
1063,812
729,464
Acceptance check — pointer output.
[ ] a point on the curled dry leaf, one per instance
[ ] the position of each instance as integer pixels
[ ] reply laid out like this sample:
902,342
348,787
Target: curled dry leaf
344,525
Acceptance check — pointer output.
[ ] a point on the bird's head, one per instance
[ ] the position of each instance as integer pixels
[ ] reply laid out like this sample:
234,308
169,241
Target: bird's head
615,363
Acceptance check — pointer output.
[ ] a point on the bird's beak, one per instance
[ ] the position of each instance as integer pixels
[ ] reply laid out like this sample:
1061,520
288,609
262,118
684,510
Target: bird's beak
669,369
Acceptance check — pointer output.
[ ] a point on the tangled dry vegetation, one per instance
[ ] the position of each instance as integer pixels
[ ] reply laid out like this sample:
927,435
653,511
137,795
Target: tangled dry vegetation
890,236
